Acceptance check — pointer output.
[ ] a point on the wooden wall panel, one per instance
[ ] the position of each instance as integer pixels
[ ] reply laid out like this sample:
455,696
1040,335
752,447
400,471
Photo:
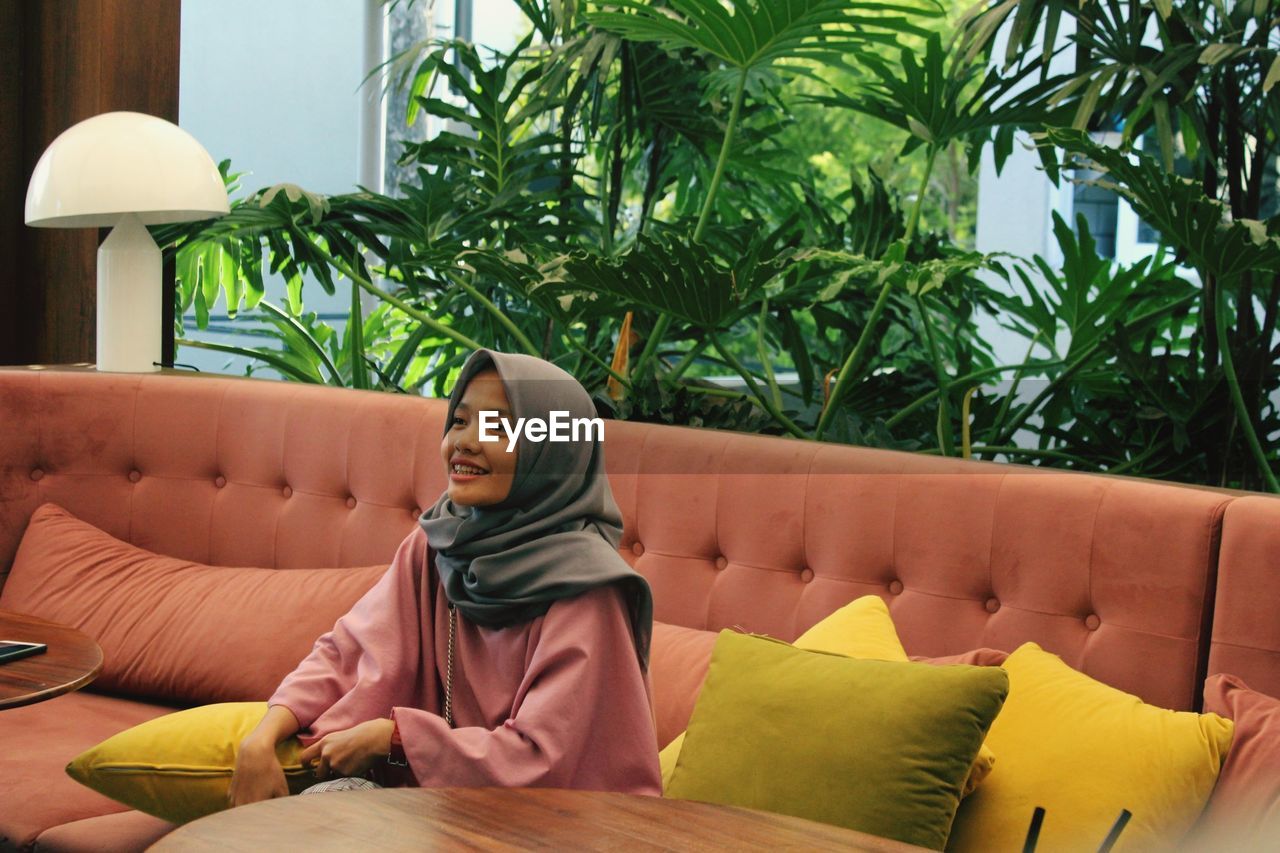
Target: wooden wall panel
80,58
60,87
13,186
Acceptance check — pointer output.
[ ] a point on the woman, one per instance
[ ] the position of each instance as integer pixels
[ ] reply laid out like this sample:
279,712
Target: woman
515,575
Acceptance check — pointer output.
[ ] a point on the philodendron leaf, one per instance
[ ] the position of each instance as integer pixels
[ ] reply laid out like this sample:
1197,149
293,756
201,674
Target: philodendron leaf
1215,53
918,278
926,278
294,294
1257,230
919,129
1197,226
1273,76
317,204
211,274
685,280
838,283
230,281
760,33
845,268
933,274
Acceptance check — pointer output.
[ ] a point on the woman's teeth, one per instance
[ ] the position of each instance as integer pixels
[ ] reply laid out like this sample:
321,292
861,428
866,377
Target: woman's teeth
467,469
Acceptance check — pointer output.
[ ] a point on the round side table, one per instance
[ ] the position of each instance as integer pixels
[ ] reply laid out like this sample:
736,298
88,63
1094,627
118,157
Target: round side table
71,661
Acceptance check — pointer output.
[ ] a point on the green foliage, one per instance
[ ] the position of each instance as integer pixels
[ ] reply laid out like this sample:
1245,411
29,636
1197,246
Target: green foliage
947,98
506,161
1198,226
1080,314
687,281
752,34
675,160
691,404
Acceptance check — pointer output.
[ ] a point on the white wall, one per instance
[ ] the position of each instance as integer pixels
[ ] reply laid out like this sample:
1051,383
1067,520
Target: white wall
276,87
273,85
1015,207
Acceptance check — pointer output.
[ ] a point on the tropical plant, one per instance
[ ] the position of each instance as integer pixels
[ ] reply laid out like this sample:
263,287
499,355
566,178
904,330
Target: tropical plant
939,102
613,195
1100,404
1196,78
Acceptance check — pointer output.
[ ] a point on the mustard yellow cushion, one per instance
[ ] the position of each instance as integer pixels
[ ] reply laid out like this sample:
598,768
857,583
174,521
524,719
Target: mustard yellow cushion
178,767
860,629
878,746
1084,751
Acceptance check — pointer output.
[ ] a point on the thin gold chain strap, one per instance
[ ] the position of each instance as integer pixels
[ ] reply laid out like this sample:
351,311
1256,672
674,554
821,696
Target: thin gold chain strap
448,679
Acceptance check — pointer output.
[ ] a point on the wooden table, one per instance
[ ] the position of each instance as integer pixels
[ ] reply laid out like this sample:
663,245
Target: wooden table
71,661
417,819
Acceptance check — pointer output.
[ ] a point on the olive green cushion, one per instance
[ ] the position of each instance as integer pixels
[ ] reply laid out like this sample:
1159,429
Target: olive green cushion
878,746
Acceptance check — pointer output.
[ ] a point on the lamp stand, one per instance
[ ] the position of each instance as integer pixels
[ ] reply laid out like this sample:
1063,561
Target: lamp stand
129,298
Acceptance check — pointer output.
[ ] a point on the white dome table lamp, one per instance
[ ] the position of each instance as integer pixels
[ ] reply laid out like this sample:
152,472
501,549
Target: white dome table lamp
125,170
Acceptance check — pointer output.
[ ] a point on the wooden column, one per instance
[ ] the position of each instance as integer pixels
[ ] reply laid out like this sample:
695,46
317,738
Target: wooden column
13,186
75,59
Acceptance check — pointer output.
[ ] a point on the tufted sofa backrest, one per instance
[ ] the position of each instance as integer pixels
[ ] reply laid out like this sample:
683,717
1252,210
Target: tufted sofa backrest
1113,574
1246,626
731,529
224,471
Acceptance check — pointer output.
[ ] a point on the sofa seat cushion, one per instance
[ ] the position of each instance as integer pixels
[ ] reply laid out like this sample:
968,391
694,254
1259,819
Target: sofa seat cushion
37,741
122,832
163,623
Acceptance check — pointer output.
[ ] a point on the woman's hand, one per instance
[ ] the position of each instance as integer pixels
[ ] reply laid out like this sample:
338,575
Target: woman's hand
258,775
350,752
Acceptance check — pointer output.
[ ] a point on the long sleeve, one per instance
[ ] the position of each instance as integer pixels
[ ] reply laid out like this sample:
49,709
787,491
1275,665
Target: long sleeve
373,647
581,716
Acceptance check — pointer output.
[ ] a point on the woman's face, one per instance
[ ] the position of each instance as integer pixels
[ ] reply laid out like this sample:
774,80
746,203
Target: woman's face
480,472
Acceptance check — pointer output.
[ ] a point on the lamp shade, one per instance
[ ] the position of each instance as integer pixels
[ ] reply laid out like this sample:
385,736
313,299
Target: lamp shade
124,162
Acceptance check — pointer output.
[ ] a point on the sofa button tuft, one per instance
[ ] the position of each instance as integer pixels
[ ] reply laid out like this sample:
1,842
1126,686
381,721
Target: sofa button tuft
220,481
351,503
287,491
37,474
993,604
135,476
416,512
637,549
722,561
806,575
895,587
1092,622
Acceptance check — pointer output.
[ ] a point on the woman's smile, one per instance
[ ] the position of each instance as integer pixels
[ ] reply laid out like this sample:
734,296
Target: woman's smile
463,470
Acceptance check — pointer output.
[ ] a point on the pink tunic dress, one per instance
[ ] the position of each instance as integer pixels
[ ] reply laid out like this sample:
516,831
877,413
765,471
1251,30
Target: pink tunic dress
560,701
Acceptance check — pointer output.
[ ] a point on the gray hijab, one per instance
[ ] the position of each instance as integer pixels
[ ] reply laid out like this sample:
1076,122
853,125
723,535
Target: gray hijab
556,534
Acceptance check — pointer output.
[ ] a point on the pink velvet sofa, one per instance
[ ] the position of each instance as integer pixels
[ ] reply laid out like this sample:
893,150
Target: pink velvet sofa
1146,586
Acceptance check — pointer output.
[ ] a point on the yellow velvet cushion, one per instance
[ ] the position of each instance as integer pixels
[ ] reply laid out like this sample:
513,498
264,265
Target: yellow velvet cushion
178,767
878,746
860,629
1084,751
